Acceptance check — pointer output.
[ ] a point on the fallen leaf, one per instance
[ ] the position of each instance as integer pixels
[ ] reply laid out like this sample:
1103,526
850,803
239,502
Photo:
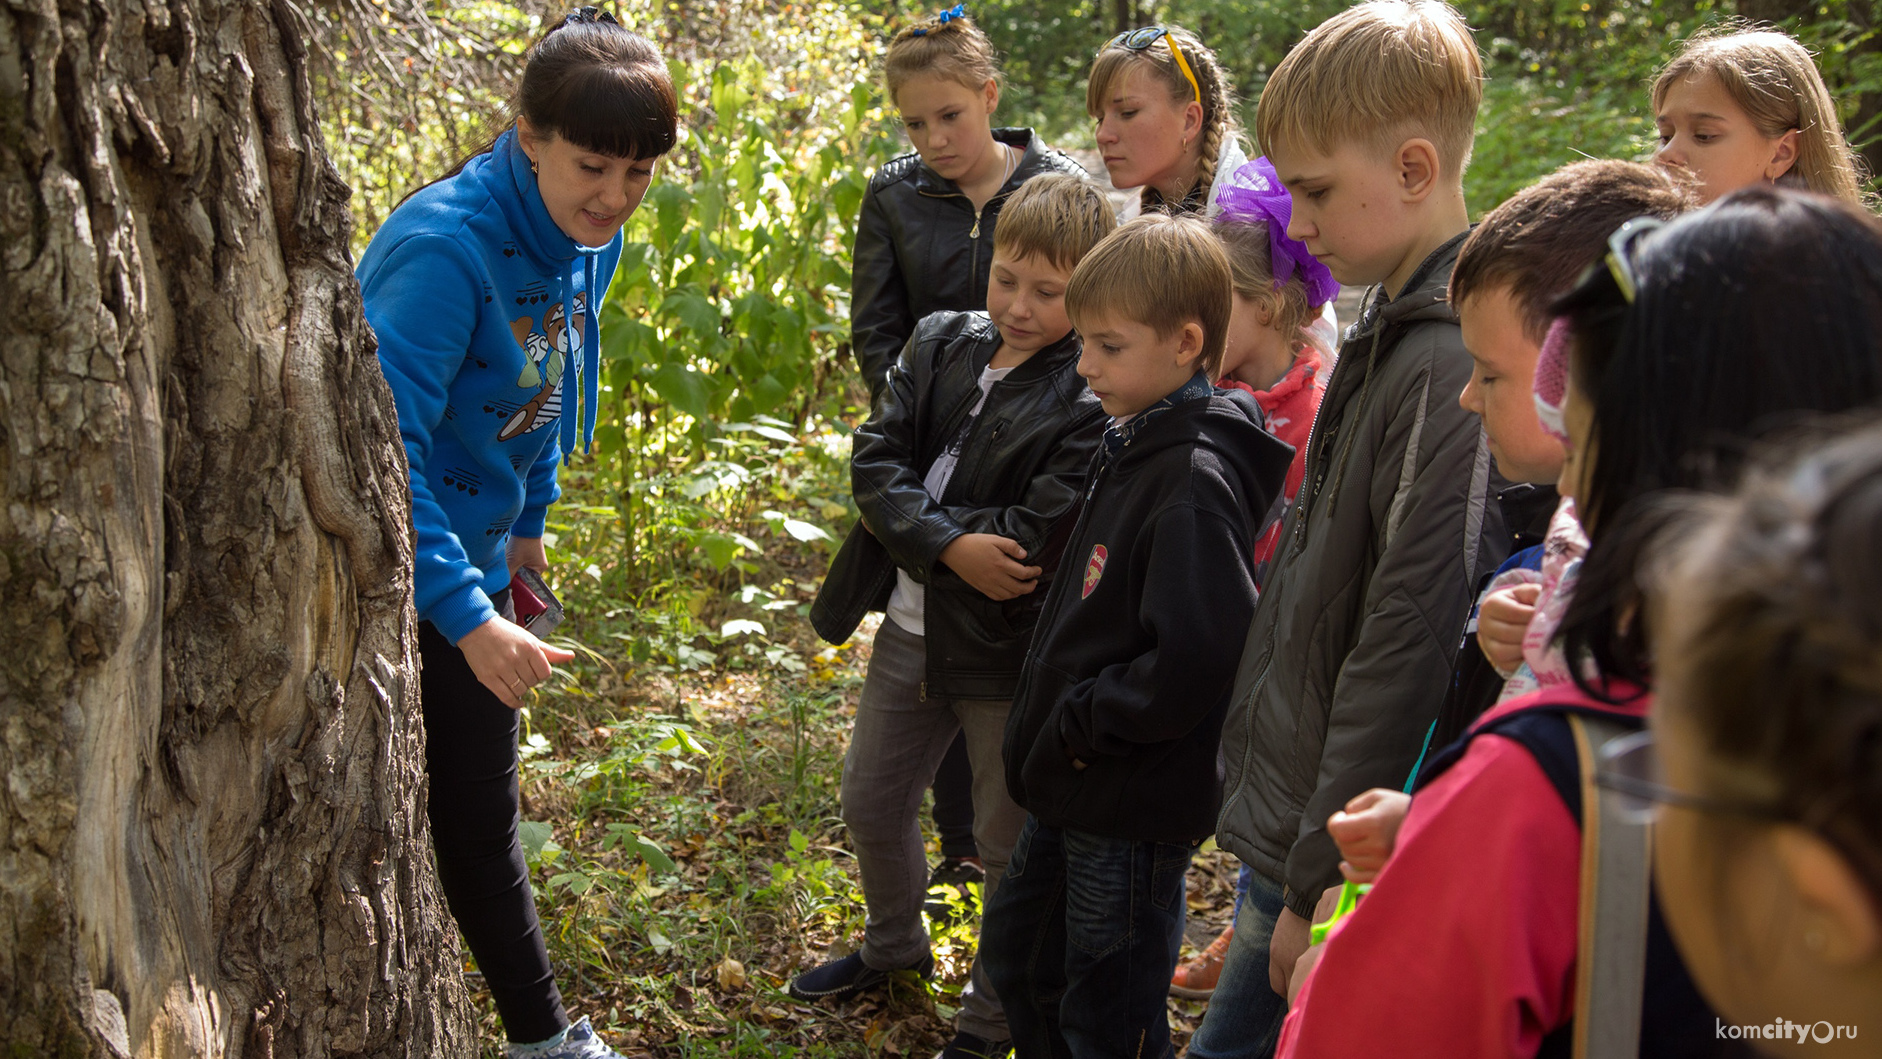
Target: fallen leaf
731,975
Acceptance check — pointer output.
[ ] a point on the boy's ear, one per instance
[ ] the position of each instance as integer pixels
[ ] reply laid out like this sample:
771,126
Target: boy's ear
1783,155
1417,168
1189,344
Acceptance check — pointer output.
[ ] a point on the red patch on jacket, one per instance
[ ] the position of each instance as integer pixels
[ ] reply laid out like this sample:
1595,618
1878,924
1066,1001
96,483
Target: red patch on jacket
1094,569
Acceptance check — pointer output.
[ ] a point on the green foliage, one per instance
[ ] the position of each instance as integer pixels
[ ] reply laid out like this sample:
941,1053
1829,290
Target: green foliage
1566,78
682,774
406,89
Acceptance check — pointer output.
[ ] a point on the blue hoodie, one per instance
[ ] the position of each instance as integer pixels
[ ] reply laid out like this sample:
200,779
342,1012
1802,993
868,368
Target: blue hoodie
471,288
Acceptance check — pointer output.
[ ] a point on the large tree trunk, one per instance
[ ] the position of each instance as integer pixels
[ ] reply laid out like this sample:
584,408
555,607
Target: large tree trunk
212,837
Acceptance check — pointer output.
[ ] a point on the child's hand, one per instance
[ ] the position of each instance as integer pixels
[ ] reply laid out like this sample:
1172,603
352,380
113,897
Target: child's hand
1366,830
1302,968
1501,623
990,563
1329,901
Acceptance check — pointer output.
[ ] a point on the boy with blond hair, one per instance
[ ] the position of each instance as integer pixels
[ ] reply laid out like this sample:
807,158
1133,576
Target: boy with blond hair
1368,122
1111,746
973,456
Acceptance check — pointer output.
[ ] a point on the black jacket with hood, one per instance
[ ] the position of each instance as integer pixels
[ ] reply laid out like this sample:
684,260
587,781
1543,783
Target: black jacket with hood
1018,476
1475,683
922,248
1131,667
1350,651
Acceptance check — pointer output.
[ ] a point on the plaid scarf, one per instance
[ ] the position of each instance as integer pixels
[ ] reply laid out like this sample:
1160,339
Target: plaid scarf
1119,435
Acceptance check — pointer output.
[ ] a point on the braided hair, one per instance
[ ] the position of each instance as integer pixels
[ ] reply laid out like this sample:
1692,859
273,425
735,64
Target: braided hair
1114,62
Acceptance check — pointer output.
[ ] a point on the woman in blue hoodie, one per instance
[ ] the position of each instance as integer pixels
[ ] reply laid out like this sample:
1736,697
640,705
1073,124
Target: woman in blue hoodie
482,288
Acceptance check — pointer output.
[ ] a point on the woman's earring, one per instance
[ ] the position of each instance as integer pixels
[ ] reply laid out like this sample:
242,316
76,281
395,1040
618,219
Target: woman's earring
533,168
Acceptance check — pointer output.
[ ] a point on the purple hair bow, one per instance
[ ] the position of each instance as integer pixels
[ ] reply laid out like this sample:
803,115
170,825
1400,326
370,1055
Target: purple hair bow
1253,195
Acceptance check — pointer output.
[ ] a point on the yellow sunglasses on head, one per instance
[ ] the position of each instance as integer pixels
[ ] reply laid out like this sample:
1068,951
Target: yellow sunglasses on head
1142,39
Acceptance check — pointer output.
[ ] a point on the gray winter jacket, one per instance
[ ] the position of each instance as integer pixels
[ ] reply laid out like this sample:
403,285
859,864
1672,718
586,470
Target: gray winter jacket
1351,646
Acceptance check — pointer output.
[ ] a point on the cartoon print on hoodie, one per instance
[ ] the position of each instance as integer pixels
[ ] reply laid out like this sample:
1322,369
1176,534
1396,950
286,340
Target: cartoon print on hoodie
545,352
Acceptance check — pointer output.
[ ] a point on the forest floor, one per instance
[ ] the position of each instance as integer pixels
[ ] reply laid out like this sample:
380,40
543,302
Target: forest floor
684,837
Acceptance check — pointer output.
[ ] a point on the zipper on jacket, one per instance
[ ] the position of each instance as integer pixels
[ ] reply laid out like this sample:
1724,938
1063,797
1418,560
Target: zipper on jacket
973,238
1248,741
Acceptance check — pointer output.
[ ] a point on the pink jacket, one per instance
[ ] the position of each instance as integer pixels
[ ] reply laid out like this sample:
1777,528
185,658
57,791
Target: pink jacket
1465,948
1290,406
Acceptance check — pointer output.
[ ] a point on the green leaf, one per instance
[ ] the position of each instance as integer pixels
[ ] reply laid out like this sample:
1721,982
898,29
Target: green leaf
696,311
534,835
774,434
655,857
719,549
798,841
670,203
804,531
575,882
766,393
684,388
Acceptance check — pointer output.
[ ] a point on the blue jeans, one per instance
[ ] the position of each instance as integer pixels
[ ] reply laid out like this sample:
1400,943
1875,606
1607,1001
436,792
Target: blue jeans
1245,1014
1080,941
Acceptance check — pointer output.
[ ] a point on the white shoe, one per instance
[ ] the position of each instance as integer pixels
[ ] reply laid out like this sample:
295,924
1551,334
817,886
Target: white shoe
579,1041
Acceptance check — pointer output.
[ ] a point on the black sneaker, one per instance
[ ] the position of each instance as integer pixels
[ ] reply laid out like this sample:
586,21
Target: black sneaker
968,1046
845,978
954,873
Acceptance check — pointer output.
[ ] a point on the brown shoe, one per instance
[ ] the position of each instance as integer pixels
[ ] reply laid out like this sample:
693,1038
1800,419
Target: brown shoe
1196,979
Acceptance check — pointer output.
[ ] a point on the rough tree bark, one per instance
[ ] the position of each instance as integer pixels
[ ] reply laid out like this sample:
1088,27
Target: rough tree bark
212,840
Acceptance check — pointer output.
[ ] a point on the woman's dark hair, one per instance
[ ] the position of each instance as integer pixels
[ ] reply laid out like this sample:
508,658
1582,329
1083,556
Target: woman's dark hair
1782,655
601,87
596,84
1750,315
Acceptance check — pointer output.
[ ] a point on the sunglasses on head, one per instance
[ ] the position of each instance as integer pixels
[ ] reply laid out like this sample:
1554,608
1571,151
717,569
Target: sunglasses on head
1142,39
1620,259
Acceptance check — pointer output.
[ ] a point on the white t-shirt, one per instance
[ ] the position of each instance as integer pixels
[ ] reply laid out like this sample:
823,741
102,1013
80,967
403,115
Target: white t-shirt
905,603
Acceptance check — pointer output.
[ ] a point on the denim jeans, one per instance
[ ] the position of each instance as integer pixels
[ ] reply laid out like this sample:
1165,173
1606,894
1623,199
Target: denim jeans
1245,1014
1081,940
900,736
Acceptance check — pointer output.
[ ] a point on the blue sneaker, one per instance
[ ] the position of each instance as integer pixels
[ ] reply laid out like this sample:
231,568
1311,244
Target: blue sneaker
579,1041
844,978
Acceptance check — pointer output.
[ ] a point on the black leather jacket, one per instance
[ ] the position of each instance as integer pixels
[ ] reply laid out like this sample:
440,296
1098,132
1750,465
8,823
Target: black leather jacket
1019,475
921,248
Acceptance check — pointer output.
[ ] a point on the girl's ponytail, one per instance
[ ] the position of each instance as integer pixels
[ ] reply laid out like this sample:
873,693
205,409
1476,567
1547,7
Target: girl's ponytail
600,86
595,83
947,45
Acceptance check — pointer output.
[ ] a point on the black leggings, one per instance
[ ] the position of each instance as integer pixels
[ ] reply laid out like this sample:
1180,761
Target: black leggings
954,802
470,758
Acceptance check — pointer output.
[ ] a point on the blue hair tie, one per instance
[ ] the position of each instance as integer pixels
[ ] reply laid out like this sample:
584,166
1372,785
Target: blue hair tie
942,19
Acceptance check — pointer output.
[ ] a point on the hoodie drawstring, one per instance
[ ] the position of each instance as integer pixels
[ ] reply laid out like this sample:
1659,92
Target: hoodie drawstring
585,363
